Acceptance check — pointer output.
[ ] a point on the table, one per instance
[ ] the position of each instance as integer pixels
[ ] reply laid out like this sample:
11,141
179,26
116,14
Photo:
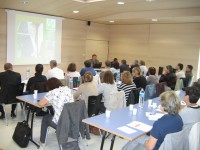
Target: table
124,116
33,106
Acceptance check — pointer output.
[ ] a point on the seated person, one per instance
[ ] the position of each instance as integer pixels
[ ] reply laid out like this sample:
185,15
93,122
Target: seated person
169,77
188,75
108,85
57,97
124,66
55,71
171,122
192,95
88,67
133,65
139,80
94,60
152,78
179,71
127,83
143,68
37,78
71,71
86,89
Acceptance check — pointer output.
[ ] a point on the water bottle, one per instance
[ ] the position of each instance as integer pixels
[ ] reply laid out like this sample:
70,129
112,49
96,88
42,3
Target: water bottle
141,98
27,73
118,77
70,82
78,81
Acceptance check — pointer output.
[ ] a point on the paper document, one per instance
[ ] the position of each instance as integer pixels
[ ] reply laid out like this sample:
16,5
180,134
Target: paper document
140,126
155,116
127,130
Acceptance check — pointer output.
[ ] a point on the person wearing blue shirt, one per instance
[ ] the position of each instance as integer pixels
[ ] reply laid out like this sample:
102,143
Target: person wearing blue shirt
88,67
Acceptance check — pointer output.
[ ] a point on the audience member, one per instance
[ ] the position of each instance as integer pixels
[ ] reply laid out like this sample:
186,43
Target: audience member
86,89
143,68
179,71
139,80
188,74
152,78
171,122
115,60
71,71
169,77
8,78
37,78
107,87
107,66
127,83
57,96
192,95
134,64
124,66
94,60
55,71
88,67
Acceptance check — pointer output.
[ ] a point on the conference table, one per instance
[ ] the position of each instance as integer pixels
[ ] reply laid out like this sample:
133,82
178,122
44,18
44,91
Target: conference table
125,124
33,105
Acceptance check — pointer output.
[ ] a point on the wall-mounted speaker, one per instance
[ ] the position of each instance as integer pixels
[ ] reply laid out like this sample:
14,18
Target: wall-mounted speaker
88,23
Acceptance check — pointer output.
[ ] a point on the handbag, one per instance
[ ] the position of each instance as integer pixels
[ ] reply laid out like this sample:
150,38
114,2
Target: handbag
22,134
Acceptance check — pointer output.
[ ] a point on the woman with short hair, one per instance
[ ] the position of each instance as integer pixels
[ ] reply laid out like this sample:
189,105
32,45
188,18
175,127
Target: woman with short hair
127,83
139,80
71,71
108,85
152,78
87,88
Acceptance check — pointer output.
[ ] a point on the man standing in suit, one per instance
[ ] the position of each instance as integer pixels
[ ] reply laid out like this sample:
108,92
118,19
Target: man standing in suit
9,81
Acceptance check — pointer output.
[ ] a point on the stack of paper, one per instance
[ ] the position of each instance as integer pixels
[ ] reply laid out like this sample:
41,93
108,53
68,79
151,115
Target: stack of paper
127,130
140,126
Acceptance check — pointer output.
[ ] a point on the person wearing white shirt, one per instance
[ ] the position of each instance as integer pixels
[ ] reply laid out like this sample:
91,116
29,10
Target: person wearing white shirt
143,68
55,71
179,71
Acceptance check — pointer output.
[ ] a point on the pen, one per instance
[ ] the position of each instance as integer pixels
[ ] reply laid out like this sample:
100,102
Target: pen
137,125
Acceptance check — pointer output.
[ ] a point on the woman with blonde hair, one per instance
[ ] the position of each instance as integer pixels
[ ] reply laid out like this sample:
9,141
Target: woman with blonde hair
87,88
127,83
139,80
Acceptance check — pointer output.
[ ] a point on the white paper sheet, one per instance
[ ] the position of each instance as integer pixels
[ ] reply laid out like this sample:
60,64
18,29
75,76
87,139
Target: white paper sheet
155,116
140,126
127,130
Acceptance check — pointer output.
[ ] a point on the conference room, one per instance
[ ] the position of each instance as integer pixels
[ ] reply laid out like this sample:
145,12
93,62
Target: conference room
160,32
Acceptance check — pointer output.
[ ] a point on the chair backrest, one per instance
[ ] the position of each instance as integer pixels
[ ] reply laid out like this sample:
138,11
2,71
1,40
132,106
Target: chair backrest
194,137
117,100
160,88
94,105
40,86
150,92
20,89
179,84
133,97
178,140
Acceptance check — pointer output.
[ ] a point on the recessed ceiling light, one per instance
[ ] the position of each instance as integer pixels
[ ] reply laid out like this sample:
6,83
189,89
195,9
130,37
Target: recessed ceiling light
111,21
150,0
120,3
154,19
24,2
75,11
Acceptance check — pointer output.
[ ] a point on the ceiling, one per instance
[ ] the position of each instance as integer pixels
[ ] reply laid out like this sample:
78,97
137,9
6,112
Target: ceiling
132,12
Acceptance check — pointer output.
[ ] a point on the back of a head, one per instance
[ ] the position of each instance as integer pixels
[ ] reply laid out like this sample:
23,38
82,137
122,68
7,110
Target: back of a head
123,61
126,77
180,66
136,62
190,67
53,63
8,66
115,64
142,62
152,71
170,102
108,63
87,63
53,83
108,77
39,68
115,59
193,93
87,77
169,67
71,67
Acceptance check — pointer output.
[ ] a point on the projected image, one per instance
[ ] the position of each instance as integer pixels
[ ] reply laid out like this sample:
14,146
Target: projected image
36,39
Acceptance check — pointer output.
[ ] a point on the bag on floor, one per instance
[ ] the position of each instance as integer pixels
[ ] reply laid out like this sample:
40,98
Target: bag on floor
22,134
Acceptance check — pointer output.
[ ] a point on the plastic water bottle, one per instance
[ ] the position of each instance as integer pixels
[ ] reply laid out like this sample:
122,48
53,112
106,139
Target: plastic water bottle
141,98
27,73
118,77
78,81
70,82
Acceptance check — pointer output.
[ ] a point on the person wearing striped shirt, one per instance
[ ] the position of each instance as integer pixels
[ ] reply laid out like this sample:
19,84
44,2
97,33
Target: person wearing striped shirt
127,83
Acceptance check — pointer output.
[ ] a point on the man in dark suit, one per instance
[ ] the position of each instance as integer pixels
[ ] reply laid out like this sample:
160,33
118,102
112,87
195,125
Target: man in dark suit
9,81
124,66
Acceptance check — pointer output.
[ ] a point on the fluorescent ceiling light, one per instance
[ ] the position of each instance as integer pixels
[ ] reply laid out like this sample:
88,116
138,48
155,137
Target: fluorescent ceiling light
120,3
75,11
88,1
154,19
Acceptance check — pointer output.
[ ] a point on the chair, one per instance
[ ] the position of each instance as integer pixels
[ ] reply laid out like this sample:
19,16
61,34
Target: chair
160,88
194,137
150,92
11,98
94,105
179,84
70,126
133,97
